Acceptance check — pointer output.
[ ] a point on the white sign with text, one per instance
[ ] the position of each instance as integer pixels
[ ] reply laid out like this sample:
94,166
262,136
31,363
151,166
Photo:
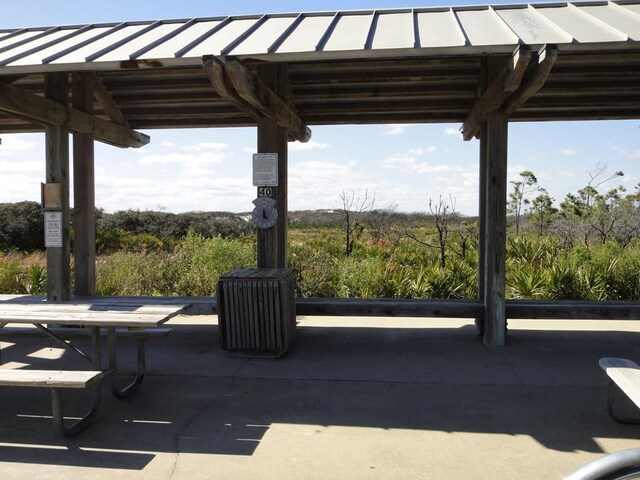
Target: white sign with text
52,229
265,169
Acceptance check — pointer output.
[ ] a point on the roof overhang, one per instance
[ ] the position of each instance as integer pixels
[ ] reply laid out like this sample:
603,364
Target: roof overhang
375,66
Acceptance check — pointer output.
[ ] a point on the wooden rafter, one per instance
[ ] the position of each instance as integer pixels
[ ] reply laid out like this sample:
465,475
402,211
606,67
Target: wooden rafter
215,71
535,80
43,111
241,88
105,100
266,101
499,90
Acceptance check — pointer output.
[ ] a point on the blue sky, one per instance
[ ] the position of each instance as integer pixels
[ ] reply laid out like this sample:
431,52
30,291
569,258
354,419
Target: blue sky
210,169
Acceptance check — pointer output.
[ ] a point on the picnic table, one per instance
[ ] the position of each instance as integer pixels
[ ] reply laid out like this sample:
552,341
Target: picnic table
137,318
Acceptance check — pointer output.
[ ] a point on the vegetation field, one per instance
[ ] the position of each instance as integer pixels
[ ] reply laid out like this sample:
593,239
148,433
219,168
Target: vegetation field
588,247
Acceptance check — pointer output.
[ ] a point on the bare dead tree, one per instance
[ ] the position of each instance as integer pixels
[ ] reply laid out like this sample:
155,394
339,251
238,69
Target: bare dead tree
380,222
443,213
467,239
352,214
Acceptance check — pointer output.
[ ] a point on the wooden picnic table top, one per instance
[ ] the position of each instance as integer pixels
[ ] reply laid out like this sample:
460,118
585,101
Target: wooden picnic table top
96,311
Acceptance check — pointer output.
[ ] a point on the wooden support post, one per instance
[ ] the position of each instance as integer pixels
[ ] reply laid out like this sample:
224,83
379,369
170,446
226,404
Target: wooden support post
482,198
272,138
84,244
57,171
495,230
482,223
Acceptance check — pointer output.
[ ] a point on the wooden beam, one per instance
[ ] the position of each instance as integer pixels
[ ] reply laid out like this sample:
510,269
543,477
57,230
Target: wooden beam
57,171
215,71
266,101
499,90
362,307
84,203
535,80
105,100
495,230
44,111
573,309
515,309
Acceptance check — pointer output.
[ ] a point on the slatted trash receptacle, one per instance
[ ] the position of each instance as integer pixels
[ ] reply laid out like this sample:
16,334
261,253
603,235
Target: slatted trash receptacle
257,311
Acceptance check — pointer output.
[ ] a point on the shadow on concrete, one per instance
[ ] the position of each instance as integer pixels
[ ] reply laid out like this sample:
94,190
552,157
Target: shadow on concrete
197,399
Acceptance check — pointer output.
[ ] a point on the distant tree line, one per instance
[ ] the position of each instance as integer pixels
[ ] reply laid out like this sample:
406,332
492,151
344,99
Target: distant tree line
594,215
22,227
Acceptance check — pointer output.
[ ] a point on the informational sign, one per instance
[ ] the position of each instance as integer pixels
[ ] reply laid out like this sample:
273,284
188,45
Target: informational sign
265,169
53,229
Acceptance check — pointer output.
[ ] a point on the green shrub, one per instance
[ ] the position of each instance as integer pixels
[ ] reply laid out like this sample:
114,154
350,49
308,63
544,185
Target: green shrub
527,284
126,273
10,275
316,272
35,280
364,278
200,261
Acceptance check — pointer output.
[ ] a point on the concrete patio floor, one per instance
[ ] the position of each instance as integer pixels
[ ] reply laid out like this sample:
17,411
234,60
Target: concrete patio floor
355,398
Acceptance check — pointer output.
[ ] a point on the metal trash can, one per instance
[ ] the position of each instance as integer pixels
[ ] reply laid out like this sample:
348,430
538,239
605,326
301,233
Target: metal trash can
257,311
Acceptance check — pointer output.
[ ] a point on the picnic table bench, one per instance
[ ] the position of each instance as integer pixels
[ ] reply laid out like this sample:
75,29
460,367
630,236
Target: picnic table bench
118,317
624,376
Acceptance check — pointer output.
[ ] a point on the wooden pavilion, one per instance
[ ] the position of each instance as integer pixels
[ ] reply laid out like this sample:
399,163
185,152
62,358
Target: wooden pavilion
482,66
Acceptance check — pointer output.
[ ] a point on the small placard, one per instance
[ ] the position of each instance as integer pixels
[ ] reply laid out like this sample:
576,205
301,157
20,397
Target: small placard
53,229
51,196
265,169
265,191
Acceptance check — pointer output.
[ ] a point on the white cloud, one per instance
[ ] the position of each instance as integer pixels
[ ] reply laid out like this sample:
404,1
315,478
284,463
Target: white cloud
320,171
395,129
14,144
22,167
422,151
205,146
310,145
635,155
314,184
400,160
186,159
196,172
568,152
444,173
205,192
452,131
566,173
167,144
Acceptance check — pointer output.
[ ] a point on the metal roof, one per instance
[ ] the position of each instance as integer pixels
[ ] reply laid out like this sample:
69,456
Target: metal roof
305,36
418,64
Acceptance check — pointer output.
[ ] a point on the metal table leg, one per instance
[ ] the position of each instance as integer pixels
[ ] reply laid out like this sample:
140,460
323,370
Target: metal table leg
96,393
2,324
113,365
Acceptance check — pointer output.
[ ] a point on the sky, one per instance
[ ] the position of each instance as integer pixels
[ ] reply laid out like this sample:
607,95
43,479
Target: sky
402,165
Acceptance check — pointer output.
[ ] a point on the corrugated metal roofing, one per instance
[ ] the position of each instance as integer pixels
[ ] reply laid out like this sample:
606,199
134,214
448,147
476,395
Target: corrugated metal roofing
305,36
376,66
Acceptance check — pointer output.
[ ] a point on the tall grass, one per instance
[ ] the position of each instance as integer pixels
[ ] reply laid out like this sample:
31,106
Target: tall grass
537,268
21,274
192,270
